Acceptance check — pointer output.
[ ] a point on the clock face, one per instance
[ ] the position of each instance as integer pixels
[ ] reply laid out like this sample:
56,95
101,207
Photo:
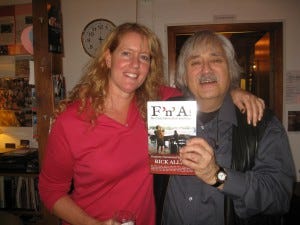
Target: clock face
94,34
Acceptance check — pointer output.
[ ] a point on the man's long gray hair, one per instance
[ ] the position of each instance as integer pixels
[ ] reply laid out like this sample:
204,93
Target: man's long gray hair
201,40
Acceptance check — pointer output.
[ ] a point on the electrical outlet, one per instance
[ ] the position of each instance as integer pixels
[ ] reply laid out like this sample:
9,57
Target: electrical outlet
24,143
10,145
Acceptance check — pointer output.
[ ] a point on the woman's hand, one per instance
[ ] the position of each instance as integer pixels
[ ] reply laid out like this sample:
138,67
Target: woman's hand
249,103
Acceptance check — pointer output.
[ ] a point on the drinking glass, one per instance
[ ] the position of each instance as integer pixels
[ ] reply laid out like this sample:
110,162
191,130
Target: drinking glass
124,217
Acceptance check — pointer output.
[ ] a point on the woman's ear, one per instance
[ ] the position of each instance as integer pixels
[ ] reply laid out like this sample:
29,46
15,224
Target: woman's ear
108,59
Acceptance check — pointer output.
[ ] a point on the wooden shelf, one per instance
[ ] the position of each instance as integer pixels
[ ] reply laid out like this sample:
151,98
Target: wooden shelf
17,174
23,211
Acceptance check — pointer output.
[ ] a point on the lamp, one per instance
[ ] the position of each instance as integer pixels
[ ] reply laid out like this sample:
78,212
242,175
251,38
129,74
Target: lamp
8,119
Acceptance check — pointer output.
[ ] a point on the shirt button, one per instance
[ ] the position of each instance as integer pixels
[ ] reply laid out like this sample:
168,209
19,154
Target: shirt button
190,198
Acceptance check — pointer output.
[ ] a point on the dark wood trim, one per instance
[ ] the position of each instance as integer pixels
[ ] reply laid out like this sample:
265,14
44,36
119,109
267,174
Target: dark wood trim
45,65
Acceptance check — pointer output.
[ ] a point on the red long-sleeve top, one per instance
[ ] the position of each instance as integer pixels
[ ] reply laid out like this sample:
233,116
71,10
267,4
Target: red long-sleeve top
108,164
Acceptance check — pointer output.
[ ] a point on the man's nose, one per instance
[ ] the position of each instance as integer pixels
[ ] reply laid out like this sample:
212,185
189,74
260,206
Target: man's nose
206,67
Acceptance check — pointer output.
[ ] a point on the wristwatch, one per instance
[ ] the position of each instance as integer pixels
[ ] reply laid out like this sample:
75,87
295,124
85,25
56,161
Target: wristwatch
221,177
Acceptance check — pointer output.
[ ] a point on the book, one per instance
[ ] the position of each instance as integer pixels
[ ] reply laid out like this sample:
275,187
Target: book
33,194
2,193
169,124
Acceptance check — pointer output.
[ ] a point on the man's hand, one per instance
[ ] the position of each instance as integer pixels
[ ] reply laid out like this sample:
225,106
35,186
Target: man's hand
198,155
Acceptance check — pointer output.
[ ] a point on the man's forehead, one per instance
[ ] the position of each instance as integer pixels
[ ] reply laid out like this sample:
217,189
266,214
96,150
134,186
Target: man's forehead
207,50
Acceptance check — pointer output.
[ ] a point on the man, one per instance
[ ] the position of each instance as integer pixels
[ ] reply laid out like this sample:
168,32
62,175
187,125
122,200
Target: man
207,70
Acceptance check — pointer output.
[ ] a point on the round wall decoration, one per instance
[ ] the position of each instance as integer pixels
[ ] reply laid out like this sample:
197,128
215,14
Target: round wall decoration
94,33
27,39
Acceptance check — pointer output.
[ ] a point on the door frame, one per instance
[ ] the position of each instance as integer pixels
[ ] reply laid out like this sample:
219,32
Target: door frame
276,52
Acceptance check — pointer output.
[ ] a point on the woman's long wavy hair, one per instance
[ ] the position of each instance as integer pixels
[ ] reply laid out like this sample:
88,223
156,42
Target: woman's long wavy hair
199,41
92,88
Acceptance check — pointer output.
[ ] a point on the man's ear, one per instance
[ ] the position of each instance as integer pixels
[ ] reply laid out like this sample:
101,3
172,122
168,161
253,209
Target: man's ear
108,59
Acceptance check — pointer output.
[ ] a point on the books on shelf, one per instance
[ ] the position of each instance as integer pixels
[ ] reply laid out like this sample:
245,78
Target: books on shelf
19,192
170,124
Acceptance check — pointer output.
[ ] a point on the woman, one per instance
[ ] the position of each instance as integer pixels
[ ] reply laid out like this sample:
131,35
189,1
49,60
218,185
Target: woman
99,138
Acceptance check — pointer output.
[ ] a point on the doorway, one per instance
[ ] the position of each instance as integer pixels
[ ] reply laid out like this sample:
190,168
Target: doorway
259,49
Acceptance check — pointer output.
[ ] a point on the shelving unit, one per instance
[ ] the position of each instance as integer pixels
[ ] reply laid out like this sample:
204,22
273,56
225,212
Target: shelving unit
21,196
18,184
47,59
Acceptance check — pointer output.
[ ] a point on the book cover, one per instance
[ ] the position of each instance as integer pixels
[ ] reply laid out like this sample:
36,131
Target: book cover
170,124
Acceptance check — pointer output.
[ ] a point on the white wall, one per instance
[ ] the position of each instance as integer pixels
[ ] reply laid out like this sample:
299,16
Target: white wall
76,14
158,14
15,134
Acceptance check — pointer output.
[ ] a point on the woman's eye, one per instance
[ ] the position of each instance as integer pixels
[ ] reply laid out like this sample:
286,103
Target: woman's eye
125,53
145,58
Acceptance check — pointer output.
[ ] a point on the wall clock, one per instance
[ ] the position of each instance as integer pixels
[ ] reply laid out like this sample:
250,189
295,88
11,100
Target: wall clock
94,33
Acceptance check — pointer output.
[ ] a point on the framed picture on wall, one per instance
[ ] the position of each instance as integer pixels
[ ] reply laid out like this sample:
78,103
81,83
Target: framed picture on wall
7,30
54,28
293,120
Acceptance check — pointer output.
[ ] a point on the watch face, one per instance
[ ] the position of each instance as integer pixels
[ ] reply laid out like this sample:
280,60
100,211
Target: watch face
94,34
222,176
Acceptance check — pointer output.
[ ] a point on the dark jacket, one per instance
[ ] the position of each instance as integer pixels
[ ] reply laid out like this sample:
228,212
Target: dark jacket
189,186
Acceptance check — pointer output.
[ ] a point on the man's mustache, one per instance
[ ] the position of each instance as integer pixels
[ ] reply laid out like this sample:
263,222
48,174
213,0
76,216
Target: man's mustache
207,78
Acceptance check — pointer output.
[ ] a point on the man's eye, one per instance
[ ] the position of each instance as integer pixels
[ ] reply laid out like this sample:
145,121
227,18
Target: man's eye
195,63
217,60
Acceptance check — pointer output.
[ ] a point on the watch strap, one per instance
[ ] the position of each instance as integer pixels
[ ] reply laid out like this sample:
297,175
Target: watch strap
219,182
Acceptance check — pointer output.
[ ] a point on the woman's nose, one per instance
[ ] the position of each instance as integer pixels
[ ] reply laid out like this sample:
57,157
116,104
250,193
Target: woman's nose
135,62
